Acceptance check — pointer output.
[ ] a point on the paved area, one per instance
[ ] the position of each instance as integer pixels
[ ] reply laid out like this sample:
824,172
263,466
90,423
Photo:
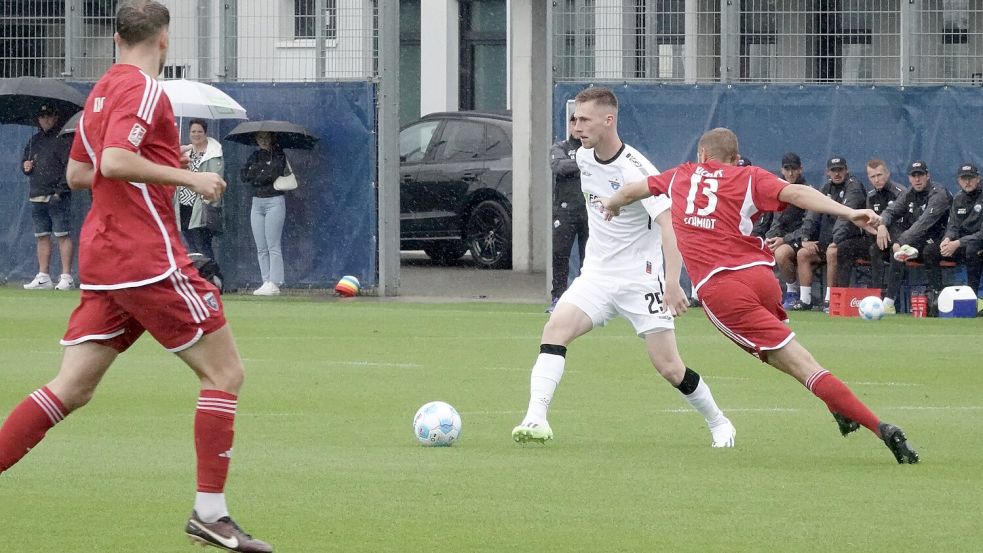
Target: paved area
423,280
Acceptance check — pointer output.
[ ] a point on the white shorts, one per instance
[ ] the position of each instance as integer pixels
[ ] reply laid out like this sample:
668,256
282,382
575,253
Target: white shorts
640,301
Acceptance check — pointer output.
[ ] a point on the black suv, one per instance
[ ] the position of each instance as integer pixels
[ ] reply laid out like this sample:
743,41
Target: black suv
456,187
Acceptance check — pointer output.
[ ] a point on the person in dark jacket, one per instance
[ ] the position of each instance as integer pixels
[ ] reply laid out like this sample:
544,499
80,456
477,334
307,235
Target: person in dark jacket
269,210
781,235
569,210
963,239
882,196
822,236
44,162
925,210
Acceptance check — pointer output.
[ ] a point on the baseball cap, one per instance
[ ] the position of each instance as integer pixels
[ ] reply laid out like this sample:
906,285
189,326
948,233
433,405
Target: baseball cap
917,167
968,170
743,162
791,160
46,109
836,162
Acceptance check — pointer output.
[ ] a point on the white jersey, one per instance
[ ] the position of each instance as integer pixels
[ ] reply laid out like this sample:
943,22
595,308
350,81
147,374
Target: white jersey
629,245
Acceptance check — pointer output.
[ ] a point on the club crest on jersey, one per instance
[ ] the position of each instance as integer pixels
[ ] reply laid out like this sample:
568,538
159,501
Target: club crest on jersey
136,134
648,267
614,184
977,208
210,301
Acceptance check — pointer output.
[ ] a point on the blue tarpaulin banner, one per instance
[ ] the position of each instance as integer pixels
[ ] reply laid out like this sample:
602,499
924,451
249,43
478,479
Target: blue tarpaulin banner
331,223
940,125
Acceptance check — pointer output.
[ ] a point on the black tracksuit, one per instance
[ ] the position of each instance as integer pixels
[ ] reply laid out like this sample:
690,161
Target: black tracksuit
569,211
786,223
966,225
828,229
879,201
922,217
49,152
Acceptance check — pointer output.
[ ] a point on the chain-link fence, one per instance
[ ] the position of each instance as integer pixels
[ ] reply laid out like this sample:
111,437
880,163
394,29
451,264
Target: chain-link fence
210,40
770,41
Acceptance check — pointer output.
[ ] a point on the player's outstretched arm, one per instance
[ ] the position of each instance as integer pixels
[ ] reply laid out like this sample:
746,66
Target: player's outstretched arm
121,164
627,194
810,199
675,298
79,174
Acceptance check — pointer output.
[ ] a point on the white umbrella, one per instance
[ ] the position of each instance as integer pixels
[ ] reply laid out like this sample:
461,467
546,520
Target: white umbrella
202,101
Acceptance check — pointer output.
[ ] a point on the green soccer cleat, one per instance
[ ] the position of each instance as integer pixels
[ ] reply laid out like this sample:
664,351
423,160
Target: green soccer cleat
532,432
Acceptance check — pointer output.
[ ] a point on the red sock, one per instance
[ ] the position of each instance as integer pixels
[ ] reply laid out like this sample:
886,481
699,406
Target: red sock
27,424
214,421
839,399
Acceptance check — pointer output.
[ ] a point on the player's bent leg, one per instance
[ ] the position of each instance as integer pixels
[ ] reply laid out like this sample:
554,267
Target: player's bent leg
664,354
82,368
215,359
567,323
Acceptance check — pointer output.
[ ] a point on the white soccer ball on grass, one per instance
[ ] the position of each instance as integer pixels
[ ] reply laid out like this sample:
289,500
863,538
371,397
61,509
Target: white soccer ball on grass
437,424
871,308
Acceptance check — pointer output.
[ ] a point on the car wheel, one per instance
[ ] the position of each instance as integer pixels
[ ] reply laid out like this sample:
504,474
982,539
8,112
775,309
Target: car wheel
489,235
445,252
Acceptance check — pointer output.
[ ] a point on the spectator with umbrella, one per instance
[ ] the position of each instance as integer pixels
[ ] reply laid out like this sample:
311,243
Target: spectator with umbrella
44,161
265,171
33,101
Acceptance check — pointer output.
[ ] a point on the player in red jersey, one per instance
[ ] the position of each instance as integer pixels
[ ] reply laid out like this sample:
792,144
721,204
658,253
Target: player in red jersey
714,205
136,275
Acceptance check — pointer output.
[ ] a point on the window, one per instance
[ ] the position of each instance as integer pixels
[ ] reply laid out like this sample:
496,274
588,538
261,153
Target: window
175,71
497,143
460,141
305,19
413,141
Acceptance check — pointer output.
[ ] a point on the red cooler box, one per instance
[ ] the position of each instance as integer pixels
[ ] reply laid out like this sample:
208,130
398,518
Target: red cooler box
843,302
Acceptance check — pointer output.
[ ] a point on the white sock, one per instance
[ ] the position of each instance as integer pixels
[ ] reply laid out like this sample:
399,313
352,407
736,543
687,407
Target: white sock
702,400
888,302
827,294
546,374
805,294
210,506
792,288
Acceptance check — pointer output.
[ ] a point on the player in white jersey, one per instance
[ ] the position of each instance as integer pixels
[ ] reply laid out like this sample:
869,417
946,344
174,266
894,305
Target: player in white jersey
622,275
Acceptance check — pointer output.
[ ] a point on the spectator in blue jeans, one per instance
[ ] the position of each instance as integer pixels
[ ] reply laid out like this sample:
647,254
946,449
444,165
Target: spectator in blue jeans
269,210
44,162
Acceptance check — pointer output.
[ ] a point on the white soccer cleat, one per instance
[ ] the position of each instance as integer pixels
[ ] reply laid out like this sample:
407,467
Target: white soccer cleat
532,432
41,282
65,282
723,433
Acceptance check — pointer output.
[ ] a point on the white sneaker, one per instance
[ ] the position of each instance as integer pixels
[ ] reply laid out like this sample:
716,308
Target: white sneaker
905,253
65,282
723,433
267,289
41,282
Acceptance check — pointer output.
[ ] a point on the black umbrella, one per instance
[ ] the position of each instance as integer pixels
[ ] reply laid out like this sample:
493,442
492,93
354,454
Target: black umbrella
71,124
287,135
21,99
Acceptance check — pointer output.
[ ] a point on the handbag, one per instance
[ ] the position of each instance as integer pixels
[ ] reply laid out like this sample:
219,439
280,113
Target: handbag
287,181
213,219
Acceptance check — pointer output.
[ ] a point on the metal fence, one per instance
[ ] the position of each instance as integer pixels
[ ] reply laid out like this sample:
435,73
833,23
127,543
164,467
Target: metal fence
210,40
867,42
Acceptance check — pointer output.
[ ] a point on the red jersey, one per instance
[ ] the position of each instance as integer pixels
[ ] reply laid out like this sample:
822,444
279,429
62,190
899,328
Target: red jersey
714,207
130,236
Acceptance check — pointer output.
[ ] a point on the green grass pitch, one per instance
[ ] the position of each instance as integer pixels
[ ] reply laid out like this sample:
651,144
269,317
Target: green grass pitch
325,458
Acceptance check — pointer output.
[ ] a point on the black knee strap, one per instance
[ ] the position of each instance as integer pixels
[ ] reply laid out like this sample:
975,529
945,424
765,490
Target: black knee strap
691,379
553,349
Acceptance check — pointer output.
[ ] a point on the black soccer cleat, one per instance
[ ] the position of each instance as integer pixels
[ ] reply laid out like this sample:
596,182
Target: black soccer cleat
225,534
896,441
846,425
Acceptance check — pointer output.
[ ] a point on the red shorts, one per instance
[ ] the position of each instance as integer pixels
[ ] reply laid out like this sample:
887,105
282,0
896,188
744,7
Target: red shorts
746,305
176,311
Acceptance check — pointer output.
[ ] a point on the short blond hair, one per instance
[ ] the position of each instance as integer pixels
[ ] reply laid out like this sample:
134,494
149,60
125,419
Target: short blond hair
599,95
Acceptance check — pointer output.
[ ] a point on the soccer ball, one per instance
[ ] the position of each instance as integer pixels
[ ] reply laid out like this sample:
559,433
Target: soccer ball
871,308
437,424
